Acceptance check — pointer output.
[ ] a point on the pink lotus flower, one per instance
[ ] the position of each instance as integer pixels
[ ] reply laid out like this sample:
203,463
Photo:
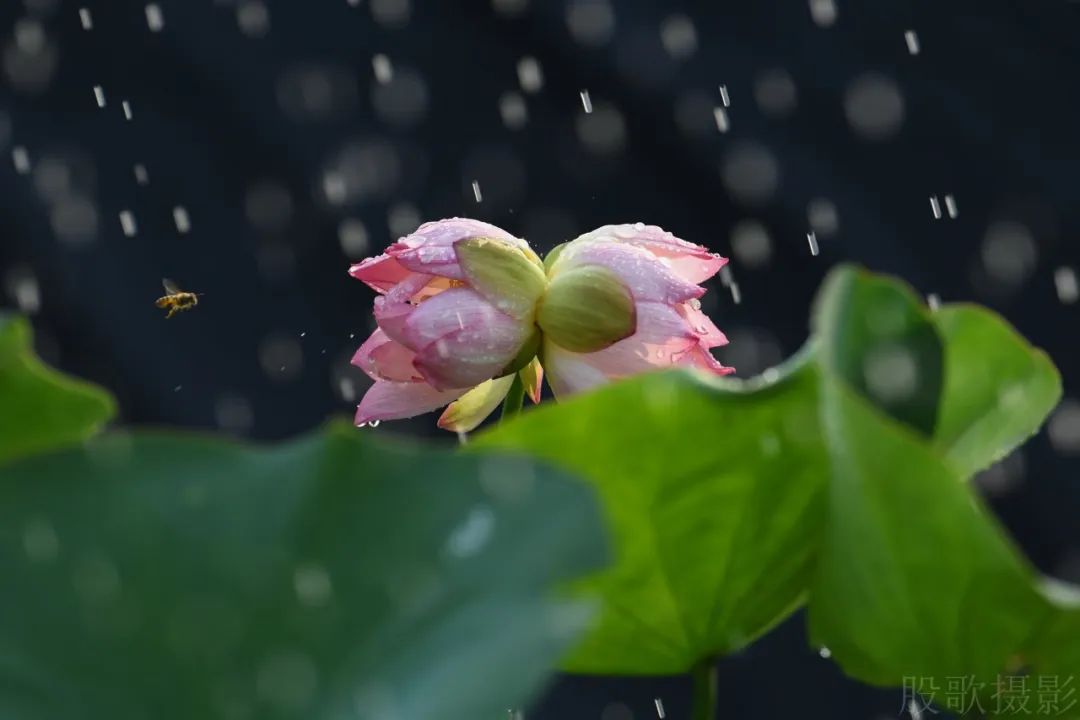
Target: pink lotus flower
465,306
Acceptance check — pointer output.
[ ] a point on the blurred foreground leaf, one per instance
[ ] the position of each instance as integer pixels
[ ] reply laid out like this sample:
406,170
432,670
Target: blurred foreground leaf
839,478
156,576
41,409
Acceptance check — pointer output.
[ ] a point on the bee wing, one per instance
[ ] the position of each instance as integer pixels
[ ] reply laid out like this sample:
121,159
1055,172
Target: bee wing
170,286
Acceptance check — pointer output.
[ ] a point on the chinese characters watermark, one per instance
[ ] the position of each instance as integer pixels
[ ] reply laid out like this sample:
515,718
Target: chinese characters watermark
1008,695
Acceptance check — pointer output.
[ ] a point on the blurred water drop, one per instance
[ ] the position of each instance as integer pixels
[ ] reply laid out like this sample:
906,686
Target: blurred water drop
74,219
950,206
361,171
128,224
312,584
85,19
530,75
1068,290
287,681
353,236
601,129
935,207
268,205
472,535
750,243
933,302
476,191
155,20
679,36
890,373
513,110
721,117
233,414
659,708
21,285
1064,427
316,92
775,93
253,18
823,12
591,22
823,217
142,177
874,106
402,100
21,159
281,357
29,35
616,711
825,652
99,96
912,41
126,107
391,13
40,541
383,68
30,65
182,219
750,172
402,219
1009,254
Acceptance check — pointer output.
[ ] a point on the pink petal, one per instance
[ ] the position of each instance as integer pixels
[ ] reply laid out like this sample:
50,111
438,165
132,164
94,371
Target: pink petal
380,273
383,359
430,249
394,308
648,278
701,358
568,373
691,262
392,401
461,339
710,335
661,336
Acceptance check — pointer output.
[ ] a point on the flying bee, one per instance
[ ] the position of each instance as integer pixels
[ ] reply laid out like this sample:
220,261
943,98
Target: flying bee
175,299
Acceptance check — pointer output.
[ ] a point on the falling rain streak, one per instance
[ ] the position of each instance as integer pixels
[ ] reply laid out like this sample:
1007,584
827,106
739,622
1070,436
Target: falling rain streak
127,109
21,159
99,96
182,219
155,20
950,207
724,96
476,191
85,19
811,239
912,41
383,69
141,176
1068,290
721,117
128,224
659,708
586,101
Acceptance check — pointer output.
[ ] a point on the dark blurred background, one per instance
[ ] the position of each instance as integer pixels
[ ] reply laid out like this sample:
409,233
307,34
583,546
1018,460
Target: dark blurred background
253,149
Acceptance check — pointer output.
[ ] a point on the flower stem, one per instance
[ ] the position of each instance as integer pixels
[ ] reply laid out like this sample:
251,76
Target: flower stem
703,706
515,397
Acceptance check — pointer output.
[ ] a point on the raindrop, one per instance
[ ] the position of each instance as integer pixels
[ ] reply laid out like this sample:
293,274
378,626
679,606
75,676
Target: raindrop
74,219
933,301
1068,291
659,708
128,224
591,22
99,96
85,19
874,106
825,652
775,93
679,36
126,107
361,171
750,172
912,41
530,75
287,680
811,239
476,191
1064,427
935,207
353,236
751,244
155,20
182,219
312,584
950,206
1009,254
253,17
374,423
586,101
823,12
40,541
470,537
513,110
141,176
724,99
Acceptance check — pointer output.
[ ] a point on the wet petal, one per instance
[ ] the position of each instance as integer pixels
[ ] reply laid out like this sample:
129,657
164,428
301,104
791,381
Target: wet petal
710,335
647,276
393,401
384,359
700,357
381,273
430,249
691,262
472,408
568,373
